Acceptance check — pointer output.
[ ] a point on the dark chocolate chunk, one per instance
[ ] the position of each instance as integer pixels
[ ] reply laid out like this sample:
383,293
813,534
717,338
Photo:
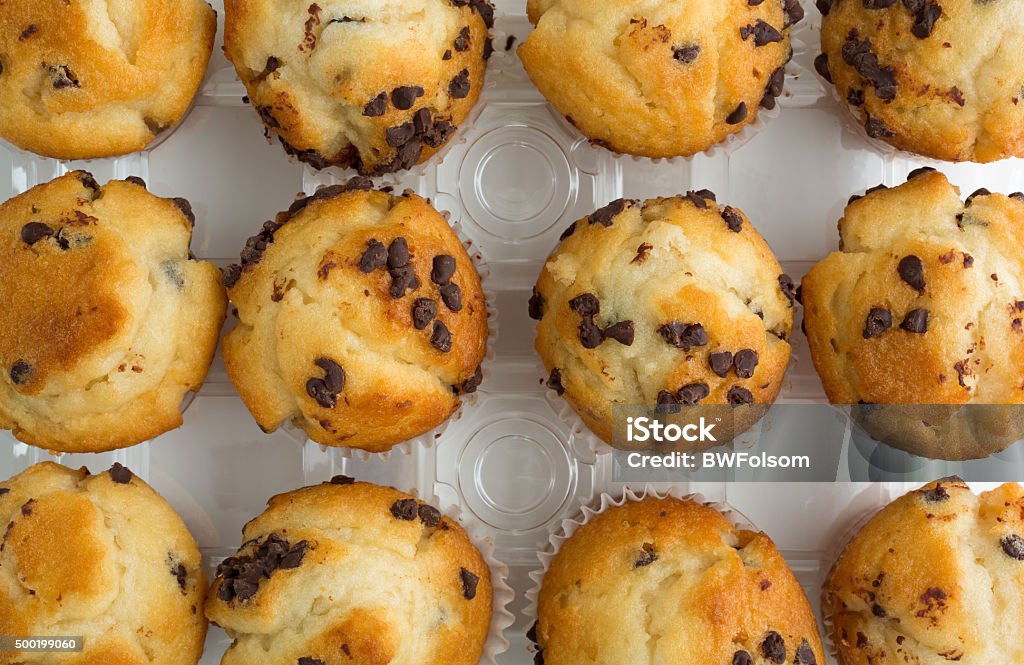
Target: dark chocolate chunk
33,232
721,363
377,106
1013,545
693,393
585,304
462,41
186,209
242,575
451,296
591,336
441,337
701,197
667,402
459,86
136,180
605,215
936,494
821,66
400,135
824,6
804,653
878,321
686,54
762,32
555,381
739,396
471,384
911,270
403,279
877,129
398,253
181,575
774,647
683,336
916,321
622,332
120,474
342,480
424,310
405,509
469,583
738,115
429,515
309,660
925,21
745,362
733,219
375,256
404,97
536,305
742,658
919,172
858,54
855,97
443,269
231,275
976,194
646,557
794,12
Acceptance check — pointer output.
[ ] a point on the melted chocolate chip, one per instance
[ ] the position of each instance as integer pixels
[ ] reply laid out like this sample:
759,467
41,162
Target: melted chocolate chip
774,647
403,279
911,271
919,172
591,336
739,396
471,384
441,337
742,658
745,362
721,363
646,557
935,494
459,86
443,269
429,515
398,253
120,474
181,575
916,321
878,321
242,575
33,232
231,275
462,41
377,106
424,310
877,129
585,304
693,393
605,215
762,32
405,509
325,390
925,20
555,381
342,480
309,660
375,256
738,115
733,219
805,655
821,66
788,288
451,296
683,336
536,305
859,55
404,97
469,583
622,332
686,54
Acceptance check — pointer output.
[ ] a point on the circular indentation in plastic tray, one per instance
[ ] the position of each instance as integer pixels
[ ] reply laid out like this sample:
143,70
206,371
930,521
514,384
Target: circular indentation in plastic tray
515,474
521,182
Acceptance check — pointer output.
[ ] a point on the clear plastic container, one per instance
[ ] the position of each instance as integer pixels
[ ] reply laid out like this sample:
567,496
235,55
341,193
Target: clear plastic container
514,178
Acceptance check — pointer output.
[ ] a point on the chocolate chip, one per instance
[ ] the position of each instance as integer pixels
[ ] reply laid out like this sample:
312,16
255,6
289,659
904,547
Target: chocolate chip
877,129
62,77
935,494
591,336
136,180
721,363
536,305
585,304
693,393
20,372
309,660
911,270
605,215
451,296
700,198
334,375
26,509
471,384
794,12
855,97
242,575
925,21
745,362
469,582
398,253
569,230
788,288
878,611
441,337
181,575
342,480
976,194
919,172
738,115
622,332
733,219
647,556
774,647
4,490
462,41
33,232
824,6
443,269
231,275
1013,545
667,402
683,336
404,97
957,95
805,655
28,32
878,4
186,209
424,310
686,54
859,55
762,32
739,396
878,321
916,321
742,658
447,55
400,135
405,509
555,381
429,515
375,256
120,474
821,66
403,278
459,86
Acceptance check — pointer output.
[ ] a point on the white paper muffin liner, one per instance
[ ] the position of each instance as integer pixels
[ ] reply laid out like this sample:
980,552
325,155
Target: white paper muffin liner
427,439
600,504
502,594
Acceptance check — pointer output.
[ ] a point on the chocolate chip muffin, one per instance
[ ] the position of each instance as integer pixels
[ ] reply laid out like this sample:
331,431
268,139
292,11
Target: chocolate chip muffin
81,80
353,572
675,581
107,321
378,86
937,576
669,302
659,79
925,313
103,557
941,79
361,318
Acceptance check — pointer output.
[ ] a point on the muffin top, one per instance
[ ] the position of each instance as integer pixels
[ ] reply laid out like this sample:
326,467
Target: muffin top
103,557
669,301
379,86
921,312
354,569
941,79
937,576
659,79
82,80
361,318
676,580
107,321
